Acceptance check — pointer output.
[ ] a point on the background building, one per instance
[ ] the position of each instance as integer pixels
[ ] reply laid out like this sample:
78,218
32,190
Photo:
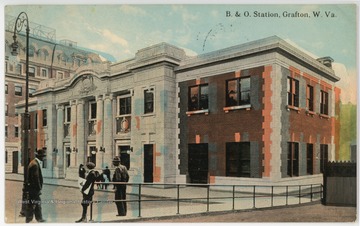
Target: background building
48,60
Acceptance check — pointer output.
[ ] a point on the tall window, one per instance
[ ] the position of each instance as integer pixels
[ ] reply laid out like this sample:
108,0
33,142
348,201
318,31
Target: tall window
6,110
238,159
293,92
6,131
44,73
148,101
238,92
16,131
32,71
125,106
44,119
310,159
198,98
92,109
92,119
18,90
19,68
293,159
324,102
324,157
310,98
67,121
6,89
68,159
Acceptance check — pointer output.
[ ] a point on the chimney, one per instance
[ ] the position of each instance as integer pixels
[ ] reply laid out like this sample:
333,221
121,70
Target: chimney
327,61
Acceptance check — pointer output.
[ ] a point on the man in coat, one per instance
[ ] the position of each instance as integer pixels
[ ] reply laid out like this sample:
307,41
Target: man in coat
120,175
87,191
35,183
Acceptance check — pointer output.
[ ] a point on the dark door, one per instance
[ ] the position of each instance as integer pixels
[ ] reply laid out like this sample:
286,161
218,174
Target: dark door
125,156
198,163
148,163
15,161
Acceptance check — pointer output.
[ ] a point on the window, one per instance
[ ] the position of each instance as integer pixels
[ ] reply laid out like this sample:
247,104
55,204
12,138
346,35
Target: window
148,101
32,71
92,155
44,117
6,89
238,92
324,103
198,98
6,131
44,73
92,110
18,90
16,131
67,120
60,75
31,91
6,109
238,159
310,98
324,157
293,92
310,159
92,119
19,68
293,159
124,106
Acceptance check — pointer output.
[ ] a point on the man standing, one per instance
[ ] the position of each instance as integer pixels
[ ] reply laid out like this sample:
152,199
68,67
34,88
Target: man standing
35,183
87,191
120,175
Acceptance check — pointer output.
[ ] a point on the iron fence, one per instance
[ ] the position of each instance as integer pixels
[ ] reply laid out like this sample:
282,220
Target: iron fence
233,196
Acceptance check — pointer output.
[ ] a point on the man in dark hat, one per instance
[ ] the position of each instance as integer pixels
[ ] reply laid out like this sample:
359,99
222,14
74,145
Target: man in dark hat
35,183
120,175
87,191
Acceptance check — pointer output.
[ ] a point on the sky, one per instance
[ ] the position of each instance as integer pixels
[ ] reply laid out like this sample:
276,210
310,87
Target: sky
122,29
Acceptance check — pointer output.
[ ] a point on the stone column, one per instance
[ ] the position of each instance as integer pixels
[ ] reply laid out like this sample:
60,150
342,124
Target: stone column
108,130
59,138
73,133
99,130
80,142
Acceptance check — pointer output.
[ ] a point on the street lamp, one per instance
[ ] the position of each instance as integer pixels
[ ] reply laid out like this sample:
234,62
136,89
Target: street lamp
21,21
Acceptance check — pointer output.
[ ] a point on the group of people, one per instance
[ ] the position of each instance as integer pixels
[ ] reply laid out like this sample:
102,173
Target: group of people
120,175
35,183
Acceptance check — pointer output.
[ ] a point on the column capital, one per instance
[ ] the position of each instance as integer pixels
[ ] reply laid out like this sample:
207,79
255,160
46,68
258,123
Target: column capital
80,101
59,106
109,96
99,97
72,102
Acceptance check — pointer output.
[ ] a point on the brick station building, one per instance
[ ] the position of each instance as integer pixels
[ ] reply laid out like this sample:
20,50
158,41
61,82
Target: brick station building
262,112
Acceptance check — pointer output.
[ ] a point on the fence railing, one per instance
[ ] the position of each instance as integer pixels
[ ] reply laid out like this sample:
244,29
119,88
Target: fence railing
224,197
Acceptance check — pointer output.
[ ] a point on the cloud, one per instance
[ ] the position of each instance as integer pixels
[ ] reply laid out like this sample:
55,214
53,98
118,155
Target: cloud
114,38
347,83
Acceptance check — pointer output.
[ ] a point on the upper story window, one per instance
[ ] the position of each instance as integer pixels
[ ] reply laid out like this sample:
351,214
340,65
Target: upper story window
32,71
310,98
44,119
6,89
44,73
6,131
238,92
324,102
148,101
198,98
6,109
60,75
293,92
19,68
18,90
124,104
16,132
67,118
92,110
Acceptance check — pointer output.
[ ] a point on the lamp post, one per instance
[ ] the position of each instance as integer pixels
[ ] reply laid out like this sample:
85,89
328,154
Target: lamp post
21,21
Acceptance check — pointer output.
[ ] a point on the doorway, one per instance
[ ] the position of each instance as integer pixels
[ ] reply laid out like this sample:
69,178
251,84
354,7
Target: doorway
148,163
15,161
198,163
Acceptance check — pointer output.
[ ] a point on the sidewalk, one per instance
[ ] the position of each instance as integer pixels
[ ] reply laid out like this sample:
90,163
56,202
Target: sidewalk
153,204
